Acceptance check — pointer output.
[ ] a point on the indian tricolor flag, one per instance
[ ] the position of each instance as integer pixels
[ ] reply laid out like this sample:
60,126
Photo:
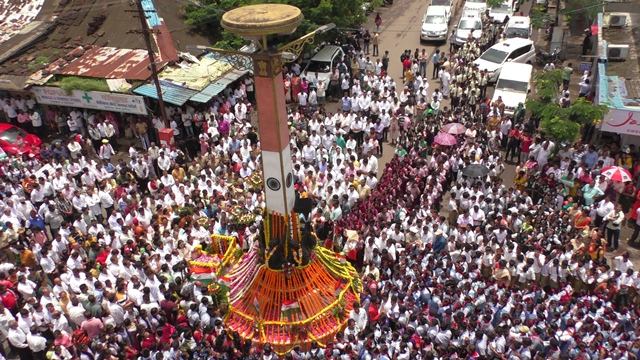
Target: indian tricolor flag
289,308
223,282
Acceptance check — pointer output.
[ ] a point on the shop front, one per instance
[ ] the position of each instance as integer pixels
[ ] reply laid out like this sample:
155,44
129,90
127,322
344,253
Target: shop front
95,100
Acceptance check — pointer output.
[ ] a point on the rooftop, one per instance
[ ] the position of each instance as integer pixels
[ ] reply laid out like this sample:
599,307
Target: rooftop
63,25
16,15
622,76
114,64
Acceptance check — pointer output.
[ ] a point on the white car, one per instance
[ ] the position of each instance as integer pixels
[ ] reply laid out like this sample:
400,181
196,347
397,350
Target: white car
475,5
518,26
435,24
470,24
513,85
500,12
515,50
322,63
446,4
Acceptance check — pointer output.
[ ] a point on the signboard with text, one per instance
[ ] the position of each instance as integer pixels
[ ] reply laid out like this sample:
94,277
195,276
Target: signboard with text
622,122
96,100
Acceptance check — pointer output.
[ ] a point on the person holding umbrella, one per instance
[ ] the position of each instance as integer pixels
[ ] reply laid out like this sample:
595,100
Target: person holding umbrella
475,170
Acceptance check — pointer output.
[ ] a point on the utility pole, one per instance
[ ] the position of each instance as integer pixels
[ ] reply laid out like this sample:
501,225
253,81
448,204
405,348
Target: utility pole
146,32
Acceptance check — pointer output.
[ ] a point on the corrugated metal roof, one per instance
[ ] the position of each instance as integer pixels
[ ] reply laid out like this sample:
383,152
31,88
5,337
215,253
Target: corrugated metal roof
171,95
110,63
164,41
195,75
150,11
16,16
217,87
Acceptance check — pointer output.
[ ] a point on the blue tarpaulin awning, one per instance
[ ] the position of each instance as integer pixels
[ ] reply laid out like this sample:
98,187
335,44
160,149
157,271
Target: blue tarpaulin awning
172,95
214,89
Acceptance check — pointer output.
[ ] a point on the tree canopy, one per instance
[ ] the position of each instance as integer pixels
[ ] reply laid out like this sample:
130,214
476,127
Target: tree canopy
206,18
563,124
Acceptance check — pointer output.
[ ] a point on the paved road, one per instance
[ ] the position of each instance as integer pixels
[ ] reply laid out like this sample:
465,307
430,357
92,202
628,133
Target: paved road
400,30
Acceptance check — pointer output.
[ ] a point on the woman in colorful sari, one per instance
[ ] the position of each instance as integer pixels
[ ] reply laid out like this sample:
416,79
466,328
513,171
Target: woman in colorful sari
520,180
287,89
296,87
596,250
582,222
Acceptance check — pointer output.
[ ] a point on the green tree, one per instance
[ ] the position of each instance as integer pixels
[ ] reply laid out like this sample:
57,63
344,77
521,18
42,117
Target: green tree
205,19
561,129
584,112
563,124
587,9
546,84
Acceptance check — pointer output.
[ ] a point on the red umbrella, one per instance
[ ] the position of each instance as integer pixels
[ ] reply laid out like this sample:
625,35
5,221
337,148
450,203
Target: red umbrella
617,173
454,128
445,139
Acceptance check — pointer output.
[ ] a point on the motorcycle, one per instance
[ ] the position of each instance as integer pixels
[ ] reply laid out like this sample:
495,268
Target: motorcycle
543,57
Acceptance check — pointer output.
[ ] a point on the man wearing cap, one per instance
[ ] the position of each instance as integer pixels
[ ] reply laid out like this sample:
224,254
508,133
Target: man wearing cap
106,150
440,242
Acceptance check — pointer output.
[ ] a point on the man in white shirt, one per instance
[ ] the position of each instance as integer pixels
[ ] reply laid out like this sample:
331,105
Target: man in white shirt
302,98
12,112
477,215
622,262
605,206
18,339
37,343
359,316
164,162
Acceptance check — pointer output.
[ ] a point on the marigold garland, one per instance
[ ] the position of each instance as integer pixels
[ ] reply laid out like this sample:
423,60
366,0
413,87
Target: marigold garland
255,180
217,261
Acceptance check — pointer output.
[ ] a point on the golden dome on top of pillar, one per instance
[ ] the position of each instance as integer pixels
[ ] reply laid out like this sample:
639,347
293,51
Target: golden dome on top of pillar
262,19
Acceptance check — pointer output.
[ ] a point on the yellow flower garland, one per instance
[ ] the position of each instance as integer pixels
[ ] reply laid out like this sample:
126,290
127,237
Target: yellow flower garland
228,258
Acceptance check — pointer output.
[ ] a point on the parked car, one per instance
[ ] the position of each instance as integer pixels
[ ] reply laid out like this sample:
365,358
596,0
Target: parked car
323,62
518,27
435,24
446,4
15,141
470,24
500,12
475,5
513,85
515,50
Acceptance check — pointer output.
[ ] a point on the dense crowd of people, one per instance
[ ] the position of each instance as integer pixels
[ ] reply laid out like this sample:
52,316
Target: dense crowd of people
95,252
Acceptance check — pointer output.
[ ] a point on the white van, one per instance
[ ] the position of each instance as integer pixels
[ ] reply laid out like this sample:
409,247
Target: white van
323,62
470,24
513,85
435,24
515,50
500,12
475,5
518,27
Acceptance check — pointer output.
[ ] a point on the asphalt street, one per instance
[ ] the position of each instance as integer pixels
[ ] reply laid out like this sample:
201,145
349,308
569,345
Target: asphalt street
400,30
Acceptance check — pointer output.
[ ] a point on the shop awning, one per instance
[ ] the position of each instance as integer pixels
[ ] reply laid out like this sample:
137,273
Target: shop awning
172,95
220,84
